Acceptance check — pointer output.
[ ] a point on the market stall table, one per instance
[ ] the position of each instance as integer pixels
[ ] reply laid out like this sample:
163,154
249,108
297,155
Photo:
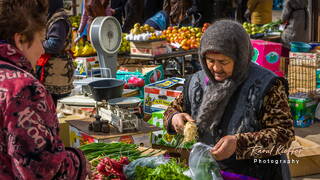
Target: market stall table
80,134
165,58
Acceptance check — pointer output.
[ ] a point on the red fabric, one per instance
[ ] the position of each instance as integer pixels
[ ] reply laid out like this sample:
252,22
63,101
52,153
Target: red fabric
30,146
42,61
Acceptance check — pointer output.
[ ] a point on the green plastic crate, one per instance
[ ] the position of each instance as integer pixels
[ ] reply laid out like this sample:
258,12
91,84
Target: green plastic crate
302,110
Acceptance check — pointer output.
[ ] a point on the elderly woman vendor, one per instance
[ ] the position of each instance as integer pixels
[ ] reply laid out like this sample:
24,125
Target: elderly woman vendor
240,108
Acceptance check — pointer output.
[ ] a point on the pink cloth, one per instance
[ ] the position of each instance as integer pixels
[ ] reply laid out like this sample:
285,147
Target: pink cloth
87,20
30,146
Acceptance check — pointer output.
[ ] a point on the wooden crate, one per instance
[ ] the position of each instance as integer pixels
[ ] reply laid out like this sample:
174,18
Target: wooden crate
302,72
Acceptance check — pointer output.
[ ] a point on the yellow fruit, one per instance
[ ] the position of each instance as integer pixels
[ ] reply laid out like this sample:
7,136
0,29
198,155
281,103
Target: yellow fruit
86,50
123,49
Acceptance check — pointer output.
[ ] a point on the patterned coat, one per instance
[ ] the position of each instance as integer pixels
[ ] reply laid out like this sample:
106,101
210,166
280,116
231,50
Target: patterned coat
30,146
59,69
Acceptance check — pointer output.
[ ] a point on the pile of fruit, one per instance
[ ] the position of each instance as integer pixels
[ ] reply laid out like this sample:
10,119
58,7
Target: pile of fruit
107,159
75,21
83,49
186,37
125,46
144,33
253,29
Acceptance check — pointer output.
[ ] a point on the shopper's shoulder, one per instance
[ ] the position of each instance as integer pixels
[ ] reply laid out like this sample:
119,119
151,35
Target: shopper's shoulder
14,82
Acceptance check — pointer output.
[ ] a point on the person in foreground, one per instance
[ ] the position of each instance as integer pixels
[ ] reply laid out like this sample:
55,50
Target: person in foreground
30,146
239,107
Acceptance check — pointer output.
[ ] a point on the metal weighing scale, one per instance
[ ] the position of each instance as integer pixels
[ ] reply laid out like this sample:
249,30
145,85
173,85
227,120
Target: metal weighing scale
106,36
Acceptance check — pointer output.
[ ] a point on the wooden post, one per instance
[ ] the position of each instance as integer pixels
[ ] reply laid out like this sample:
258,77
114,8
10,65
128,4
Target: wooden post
74,7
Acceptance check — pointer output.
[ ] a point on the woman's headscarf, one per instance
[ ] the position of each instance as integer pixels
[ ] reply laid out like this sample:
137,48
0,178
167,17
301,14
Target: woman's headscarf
228,38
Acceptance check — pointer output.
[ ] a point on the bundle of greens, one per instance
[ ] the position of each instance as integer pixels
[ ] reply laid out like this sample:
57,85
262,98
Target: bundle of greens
96,151
168,171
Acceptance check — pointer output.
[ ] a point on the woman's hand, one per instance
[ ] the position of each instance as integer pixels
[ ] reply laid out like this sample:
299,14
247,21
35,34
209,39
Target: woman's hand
225,147
178,121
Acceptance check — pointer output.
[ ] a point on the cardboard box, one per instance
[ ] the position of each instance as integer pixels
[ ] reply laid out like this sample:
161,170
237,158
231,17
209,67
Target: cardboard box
149,73
303,110
80,135
157,119
180,153
151,48
84,66
267,54
158,96
308,157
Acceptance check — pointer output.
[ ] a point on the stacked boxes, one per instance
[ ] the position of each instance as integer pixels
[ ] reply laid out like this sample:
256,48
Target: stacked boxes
302,72
149,73
159,95
86,66
267,54
302,109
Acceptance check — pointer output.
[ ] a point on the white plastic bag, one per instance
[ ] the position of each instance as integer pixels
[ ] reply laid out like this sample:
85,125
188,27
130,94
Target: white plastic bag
202,165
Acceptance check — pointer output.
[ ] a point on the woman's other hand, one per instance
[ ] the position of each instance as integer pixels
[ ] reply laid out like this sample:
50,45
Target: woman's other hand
178,121
225,148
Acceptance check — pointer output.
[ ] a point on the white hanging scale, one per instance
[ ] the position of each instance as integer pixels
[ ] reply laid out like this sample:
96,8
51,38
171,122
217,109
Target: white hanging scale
105,35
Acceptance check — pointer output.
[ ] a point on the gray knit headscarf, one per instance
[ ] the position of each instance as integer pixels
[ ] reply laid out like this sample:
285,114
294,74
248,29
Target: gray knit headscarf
228,38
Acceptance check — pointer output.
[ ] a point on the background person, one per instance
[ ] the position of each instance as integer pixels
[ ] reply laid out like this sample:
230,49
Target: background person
133,14
295,15
91,10
259,11
58,66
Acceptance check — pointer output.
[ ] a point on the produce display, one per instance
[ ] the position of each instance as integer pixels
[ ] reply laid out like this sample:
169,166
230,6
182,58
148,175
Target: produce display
158,167
125,45
107,159
253,29
111,168
174,141
83,48
170,170
75,21
144,33
185,37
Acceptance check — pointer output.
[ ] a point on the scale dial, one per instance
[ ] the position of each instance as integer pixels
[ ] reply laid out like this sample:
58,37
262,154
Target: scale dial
107,31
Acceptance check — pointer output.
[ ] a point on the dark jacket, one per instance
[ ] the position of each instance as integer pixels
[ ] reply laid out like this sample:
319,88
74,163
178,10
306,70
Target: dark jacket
133,14
151,7
118,6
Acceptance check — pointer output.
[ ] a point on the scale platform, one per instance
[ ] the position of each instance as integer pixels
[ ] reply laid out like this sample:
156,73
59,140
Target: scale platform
81,100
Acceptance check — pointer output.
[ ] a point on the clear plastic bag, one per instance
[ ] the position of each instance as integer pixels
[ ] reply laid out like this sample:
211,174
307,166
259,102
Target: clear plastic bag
150,162
202,165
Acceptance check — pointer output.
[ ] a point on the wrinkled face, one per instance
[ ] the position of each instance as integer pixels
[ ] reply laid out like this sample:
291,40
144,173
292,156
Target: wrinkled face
220,66
32,51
